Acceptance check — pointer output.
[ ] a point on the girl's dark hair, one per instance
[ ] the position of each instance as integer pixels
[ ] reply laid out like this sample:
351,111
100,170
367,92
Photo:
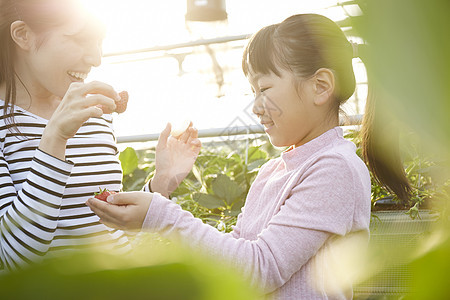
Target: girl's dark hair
305,43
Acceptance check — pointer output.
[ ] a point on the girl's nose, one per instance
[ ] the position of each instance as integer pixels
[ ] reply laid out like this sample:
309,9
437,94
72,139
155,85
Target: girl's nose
258,105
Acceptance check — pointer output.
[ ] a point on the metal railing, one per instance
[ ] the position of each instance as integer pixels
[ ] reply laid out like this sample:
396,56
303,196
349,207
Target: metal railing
201,42
227,131
211,132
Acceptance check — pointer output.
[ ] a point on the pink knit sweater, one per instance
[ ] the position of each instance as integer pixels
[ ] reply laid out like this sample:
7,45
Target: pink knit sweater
299,205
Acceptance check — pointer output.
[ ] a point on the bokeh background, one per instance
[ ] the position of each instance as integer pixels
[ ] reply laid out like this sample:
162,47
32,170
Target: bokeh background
408,57
208,87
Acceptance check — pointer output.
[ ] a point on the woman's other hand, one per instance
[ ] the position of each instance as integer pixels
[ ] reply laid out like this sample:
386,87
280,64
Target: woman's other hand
126,210
175,157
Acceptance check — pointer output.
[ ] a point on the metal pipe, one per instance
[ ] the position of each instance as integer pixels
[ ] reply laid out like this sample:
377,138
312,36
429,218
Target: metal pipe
201,42
228,131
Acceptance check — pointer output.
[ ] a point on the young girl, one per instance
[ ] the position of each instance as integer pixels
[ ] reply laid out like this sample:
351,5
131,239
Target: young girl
302,204
56,145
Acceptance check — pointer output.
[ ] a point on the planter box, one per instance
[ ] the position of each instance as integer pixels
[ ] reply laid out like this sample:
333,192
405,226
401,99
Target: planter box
393,236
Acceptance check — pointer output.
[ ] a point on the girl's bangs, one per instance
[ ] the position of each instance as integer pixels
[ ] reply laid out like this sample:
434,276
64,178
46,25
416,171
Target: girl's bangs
261,56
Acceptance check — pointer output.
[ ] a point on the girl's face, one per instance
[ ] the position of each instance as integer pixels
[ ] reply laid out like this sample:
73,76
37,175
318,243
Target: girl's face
286,108
63,54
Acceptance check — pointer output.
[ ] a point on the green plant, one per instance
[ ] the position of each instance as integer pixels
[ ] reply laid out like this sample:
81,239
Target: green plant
216,189
154,270
425,174
137,166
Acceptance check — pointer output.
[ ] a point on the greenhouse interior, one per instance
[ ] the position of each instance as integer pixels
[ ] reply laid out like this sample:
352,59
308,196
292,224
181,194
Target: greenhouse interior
189,63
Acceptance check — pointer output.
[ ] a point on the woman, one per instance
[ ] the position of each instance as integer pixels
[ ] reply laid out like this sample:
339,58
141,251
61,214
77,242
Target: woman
57,147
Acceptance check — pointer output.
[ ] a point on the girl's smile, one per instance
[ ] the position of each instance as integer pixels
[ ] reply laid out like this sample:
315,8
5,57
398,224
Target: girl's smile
286,108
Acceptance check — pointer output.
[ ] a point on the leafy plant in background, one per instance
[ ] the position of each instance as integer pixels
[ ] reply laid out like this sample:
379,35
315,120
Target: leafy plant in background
216,189
423,173
137,165
409,57
154,270
222,180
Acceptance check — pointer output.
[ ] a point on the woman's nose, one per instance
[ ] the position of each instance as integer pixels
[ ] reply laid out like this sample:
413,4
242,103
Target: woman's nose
94,56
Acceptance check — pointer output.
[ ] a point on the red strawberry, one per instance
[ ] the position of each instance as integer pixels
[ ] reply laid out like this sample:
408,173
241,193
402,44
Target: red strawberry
121,105
103,194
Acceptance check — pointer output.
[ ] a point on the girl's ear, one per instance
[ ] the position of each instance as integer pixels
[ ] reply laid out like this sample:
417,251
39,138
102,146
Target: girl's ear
21,35
323,86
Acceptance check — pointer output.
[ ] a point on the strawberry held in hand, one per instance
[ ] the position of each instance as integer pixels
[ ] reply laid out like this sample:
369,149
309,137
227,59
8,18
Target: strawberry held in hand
103,194
121,105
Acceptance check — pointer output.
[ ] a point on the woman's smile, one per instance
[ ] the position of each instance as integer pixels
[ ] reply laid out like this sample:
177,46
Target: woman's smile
77,76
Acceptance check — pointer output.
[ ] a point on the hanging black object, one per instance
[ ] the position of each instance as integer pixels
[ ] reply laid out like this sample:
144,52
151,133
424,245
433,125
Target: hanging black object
206,10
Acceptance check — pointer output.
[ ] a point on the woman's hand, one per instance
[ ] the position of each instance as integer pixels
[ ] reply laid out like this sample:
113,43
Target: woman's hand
126,210
81,102
174,159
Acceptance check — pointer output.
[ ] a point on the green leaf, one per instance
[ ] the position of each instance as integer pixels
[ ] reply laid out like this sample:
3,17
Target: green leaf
256,164
207,200
256,153
235,208
226,188
197,174
129,160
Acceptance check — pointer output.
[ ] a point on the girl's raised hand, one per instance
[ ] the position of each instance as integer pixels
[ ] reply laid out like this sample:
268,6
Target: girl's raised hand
81,102
175,157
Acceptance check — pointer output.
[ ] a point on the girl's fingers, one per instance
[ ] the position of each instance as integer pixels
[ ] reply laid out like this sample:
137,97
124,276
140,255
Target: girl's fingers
196,143
186,134
184,137
105,211
126,198
193,135
162,140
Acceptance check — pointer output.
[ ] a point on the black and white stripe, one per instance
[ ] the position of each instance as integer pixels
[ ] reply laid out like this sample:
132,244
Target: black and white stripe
42,199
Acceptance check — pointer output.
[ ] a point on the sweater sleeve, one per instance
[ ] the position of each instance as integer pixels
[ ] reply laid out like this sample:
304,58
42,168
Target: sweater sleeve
293,236
28,217
267,262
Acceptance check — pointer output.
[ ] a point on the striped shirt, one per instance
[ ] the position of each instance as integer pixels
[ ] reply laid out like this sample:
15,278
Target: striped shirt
42,198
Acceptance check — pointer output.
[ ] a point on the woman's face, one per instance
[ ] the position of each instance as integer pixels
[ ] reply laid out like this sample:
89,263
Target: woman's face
286,108
64,54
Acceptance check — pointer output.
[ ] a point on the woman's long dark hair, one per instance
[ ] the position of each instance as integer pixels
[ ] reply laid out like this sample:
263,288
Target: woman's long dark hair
40,20
305,43
8,14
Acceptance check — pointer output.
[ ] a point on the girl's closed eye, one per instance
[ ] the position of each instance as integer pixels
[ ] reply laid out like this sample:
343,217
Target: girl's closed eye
262,90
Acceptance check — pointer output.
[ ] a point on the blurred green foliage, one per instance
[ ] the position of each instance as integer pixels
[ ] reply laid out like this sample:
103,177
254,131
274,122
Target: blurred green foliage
216,189
154,270
409,57
409,48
